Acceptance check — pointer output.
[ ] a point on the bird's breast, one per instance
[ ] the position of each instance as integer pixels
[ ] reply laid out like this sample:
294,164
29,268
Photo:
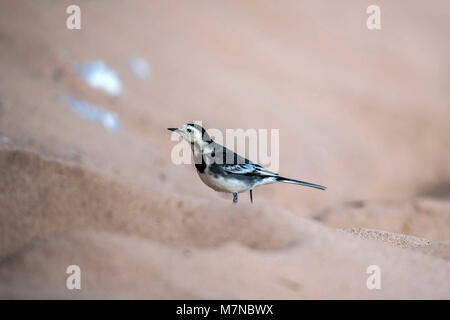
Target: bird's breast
223,183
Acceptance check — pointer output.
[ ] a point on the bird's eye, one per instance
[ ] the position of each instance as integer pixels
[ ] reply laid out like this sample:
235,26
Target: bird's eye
189,130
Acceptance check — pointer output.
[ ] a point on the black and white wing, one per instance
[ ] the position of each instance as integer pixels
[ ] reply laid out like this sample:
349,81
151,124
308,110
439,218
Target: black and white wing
232,163
248,169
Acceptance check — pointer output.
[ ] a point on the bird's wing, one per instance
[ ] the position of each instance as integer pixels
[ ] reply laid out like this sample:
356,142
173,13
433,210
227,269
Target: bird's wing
249,169
223,155
233,163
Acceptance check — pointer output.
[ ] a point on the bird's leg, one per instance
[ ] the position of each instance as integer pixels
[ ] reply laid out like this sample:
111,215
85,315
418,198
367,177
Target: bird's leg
235,197
251,196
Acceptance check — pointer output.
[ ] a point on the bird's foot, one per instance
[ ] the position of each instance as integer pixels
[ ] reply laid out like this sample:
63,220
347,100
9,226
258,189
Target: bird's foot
251,195
235,197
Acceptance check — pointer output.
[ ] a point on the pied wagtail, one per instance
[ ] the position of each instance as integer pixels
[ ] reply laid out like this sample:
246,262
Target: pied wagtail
225,171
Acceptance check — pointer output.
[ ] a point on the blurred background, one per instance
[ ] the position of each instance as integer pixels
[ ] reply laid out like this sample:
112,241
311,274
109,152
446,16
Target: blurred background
85,161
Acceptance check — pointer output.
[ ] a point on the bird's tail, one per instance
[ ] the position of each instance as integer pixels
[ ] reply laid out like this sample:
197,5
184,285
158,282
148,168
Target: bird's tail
302,183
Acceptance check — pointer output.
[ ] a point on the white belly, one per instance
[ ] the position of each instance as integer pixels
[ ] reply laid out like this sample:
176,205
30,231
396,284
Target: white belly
223,185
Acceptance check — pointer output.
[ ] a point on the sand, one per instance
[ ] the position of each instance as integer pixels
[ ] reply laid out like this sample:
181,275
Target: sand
363,112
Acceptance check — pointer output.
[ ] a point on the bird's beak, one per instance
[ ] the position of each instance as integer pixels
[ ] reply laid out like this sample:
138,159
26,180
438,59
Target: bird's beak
172,129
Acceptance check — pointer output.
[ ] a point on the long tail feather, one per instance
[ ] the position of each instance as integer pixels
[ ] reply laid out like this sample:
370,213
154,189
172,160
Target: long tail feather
302,183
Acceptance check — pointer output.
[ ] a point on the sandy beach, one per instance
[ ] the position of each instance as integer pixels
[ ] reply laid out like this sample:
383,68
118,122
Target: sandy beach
86,176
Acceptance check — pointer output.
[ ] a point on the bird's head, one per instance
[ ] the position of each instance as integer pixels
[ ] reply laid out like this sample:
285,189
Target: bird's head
193,133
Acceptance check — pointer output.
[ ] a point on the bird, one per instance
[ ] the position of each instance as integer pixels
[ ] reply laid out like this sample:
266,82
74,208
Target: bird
224,170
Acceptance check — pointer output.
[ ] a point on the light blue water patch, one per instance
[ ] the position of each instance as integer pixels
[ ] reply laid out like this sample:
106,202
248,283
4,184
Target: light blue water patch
140,67
99,76
91,112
